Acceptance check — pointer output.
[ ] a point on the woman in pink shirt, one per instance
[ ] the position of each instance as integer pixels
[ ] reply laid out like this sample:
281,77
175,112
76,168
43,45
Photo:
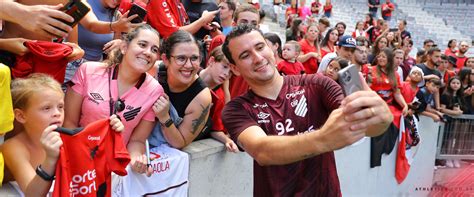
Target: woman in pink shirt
120,86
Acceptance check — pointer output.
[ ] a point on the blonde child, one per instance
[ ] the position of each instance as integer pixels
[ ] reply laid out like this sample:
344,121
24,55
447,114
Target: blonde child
31,155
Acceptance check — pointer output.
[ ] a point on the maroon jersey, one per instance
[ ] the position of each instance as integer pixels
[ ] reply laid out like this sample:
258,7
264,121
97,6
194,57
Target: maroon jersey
303,104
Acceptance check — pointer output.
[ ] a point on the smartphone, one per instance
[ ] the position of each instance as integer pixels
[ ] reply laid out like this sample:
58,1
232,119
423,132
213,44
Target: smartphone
393,29
141,12
415,105
349,79
77,10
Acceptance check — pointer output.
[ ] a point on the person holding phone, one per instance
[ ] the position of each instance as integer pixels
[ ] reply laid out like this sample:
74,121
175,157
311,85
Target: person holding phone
289,146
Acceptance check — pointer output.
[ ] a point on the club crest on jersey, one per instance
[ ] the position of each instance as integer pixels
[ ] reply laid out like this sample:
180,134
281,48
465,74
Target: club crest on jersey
301,106
263,117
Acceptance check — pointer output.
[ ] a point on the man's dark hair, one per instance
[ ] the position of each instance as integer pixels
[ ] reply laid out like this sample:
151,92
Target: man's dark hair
427,41
340,23
236,32
432,50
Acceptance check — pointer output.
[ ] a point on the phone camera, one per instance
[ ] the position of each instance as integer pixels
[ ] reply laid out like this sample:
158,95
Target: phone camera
346,77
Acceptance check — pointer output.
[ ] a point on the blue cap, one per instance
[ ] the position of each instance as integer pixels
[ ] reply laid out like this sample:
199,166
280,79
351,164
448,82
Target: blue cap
347,41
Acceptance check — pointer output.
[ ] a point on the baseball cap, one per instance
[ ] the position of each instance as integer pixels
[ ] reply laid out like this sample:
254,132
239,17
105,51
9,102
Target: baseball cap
452,60
415,68
347,41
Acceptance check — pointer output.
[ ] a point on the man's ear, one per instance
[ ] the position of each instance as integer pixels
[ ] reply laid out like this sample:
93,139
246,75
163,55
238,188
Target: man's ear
19,115
235,69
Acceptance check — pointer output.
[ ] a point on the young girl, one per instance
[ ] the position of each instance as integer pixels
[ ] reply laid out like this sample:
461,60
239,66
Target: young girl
334,66
38,103
452,103
452,99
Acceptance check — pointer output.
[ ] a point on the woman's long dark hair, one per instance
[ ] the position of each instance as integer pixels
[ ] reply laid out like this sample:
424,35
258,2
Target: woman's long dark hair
294,28
452,95
325,40
463,73
274,39
375,48
389,68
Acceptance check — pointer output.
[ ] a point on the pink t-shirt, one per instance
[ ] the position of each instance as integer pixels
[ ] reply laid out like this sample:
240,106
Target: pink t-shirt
91,81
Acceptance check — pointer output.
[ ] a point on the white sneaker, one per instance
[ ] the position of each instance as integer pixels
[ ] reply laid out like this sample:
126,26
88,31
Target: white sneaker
449,163
456,163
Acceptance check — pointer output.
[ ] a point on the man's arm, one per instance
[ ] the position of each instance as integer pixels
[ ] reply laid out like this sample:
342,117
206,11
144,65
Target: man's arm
280,150
41,19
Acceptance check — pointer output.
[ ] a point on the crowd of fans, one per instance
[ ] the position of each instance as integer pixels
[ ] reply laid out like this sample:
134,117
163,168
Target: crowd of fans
168,80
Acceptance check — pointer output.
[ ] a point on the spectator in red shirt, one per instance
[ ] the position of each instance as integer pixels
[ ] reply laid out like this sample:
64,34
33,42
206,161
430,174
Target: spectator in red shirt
359,31
315,8
369,21
289,65
327,8
329,42
469,63
168,16
461,54
387,9
451,49
311,51
214,75
443,68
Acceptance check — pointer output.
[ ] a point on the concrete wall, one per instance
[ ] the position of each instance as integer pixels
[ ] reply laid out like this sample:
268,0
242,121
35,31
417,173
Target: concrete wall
214,172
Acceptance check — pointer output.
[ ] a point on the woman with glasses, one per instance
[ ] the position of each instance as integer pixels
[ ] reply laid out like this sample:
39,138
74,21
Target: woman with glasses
185,91
120,86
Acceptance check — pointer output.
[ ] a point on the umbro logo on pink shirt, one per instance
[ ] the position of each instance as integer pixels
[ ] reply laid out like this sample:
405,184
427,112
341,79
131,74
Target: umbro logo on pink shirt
96,96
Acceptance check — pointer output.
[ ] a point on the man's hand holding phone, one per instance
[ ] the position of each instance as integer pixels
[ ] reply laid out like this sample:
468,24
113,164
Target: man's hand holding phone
366,109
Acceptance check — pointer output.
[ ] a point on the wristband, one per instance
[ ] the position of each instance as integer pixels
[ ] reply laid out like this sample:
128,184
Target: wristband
168,123
44,175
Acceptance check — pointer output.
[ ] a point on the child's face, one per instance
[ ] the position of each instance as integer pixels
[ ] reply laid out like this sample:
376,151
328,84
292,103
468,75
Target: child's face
455,84
415,76
332,69
44,108
289,52
443,65
432,87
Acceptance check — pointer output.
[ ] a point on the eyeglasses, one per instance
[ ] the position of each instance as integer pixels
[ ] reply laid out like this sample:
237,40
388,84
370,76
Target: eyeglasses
182,59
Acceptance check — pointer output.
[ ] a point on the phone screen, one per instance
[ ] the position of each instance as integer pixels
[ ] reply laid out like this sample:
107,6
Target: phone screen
141,12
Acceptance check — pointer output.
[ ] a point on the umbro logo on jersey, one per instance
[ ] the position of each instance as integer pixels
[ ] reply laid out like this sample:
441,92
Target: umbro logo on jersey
96,96
263,117
130,115
302,107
